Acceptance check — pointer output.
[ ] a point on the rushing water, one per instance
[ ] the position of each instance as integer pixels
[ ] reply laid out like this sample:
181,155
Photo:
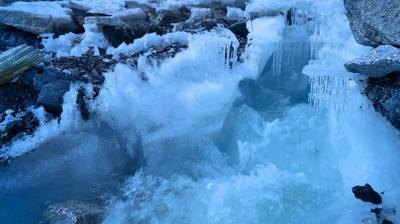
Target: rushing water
281,138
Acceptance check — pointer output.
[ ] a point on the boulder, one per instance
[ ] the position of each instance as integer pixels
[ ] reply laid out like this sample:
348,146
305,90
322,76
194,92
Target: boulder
374,22
82,105
25,122
51,96
165,18
367,194
122,27
74,212
38,17
116,35
384,94
379,62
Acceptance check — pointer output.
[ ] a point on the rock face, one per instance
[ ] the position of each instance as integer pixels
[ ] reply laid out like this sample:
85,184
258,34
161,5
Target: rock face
384,94
379,62
374,22
73,212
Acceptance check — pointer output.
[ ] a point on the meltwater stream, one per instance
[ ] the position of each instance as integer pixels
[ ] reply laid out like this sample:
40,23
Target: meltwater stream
280,138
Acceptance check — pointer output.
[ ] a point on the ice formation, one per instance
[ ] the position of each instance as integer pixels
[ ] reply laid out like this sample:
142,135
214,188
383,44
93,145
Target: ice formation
297,168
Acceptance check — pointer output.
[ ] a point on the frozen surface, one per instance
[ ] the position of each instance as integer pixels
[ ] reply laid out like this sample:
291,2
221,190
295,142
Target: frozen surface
297,168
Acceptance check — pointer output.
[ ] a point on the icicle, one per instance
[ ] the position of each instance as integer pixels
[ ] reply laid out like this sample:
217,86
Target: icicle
290,56
328,91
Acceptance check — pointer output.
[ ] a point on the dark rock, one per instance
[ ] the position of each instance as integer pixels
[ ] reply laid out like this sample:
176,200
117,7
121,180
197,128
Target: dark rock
374,22
19,95
82,106
297,16
37,23
239,29
367,194
79,12
51,96
384,94
11,37
74,212
165,18
387,222
25,123
127,34
379,62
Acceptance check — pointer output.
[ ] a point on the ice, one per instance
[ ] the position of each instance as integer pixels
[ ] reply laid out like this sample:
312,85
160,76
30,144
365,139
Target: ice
71,44
297,167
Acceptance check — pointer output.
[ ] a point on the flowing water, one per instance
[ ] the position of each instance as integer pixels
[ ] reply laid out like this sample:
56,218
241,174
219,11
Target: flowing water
281,138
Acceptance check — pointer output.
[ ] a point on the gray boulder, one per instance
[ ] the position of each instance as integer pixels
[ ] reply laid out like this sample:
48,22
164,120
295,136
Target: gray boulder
51,96
374,22
37,22
379,62
73,212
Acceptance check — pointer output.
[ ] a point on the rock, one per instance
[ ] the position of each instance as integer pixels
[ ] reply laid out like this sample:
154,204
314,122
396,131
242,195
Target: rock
87,64
239,29
379,62
122,27
17,60
19,95
79,12
38,17
51,96
25,122
74,212
384,94
367,194
165,18
297,16
10,37
122,19
382,214
118,35
82,106
374,22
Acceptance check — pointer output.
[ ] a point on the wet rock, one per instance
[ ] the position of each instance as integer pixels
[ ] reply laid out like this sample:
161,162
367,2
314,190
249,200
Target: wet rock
379,62
118,35
367,194
19,95
384,94
239,29
74,212
25,123
297,16
82,105
51,96
374,22
158,55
